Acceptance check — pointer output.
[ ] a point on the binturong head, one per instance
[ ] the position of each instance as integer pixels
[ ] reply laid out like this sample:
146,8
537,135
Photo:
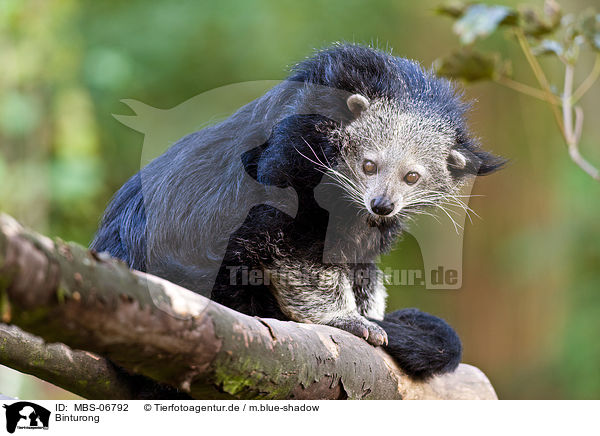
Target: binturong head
401,159
405,145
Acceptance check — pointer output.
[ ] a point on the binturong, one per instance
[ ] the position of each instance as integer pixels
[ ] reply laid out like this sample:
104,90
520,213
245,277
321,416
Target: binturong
282,209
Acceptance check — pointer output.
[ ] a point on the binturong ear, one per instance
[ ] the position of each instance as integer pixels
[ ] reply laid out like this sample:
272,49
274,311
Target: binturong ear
457,160
357,104
473,160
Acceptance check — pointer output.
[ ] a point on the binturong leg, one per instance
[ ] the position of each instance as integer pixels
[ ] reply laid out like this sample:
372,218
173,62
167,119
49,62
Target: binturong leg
318,295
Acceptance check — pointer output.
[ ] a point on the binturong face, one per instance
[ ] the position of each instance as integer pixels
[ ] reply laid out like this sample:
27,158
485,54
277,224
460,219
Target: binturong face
398,161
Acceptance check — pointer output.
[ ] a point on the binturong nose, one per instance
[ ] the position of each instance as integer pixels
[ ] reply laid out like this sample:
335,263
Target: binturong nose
382,206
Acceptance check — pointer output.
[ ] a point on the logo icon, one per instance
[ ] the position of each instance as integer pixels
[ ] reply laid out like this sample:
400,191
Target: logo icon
26,415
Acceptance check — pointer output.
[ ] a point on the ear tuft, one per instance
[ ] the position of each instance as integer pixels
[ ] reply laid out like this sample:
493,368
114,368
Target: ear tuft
457,160
463,160
357,104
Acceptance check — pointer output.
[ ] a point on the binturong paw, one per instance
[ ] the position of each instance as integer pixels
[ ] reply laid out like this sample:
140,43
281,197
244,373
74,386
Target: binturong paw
363,328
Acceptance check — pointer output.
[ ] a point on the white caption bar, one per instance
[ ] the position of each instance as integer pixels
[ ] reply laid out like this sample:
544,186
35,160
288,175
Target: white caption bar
22,417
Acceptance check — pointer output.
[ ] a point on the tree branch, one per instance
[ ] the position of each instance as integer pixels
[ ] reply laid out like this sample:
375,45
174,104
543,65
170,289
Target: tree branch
152,327
81,372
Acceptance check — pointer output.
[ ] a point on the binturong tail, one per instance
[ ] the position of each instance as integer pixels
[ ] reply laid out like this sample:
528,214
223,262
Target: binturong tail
422,345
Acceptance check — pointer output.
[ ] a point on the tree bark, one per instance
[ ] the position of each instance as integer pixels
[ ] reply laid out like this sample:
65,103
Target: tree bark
154,328
81,372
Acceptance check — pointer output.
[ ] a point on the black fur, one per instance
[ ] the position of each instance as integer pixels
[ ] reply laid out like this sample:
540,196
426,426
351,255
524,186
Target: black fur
422,344
122,232
364,71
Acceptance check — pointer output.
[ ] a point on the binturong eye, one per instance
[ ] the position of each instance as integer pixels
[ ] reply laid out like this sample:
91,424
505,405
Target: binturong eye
369,167
412,178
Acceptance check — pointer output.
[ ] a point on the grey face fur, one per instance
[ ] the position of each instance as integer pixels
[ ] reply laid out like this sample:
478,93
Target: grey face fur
407,153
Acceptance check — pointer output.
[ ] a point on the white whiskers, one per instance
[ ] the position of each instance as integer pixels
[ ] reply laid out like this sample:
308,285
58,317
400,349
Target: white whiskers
354,189
414,203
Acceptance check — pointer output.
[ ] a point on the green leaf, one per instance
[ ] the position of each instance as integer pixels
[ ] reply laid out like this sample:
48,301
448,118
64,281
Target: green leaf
589,28
572,51
552,12
481,20
538,24
453,9
468,65
548,46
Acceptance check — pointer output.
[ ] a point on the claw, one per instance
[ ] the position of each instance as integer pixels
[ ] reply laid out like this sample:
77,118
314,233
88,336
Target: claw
364,329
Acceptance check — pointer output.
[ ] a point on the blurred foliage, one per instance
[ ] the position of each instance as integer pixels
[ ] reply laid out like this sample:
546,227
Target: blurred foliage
551,31
529,309
539,33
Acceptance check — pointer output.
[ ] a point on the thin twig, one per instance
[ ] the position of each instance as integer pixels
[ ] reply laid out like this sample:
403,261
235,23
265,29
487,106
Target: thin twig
578,123
565,123
588,82
526,89
582,163
566,106
540,76
573,134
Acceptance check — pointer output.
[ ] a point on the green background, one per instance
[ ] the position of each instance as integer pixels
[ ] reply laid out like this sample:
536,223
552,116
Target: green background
529,309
